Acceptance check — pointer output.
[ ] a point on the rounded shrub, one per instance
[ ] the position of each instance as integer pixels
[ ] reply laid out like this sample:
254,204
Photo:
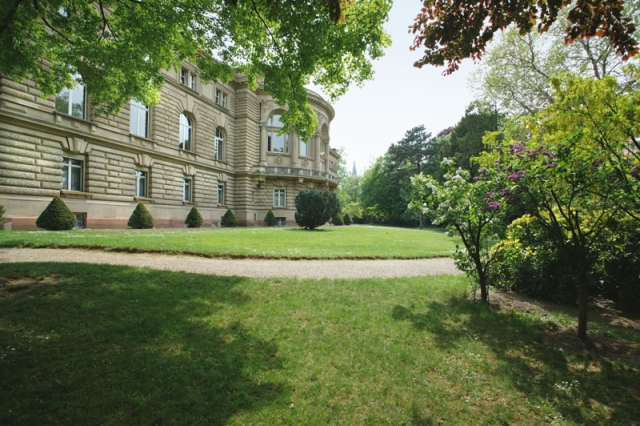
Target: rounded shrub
194,218
56,217
315,207
141,218
270,219
229,219
337,219
347,219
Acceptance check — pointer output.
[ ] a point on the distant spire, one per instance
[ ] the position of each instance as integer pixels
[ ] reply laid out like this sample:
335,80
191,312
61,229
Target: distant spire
355,172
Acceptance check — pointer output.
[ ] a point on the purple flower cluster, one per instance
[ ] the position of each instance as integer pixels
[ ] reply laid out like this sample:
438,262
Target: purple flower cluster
516,175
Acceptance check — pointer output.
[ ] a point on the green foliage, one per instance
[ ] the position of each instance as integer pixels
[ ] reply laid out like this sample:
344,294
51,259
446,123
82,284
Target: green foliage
469,209
347,219
315,207
229,219
56,216
337,220
141,218
194,218
120,49
354,210
3,217
270,219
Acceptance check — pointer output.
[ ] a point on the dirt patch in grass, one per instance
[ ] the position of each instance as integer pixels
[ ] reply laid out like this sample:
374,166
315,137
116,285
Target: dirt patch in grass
10,287
603,343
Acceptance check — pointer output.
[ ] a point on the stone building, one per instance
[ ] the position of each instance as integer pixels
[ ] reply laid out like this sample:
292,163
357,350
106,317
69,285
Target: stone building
215,146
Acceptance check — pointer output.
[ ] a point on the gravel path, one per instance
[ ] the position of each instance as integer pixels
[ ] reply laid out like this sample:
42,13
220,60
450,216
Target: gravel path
254,268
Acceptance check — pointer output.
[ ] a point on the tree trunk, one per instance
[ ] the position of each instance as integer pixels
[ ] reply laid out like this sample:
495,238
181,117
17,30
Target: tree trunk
484,292
583,304
421,220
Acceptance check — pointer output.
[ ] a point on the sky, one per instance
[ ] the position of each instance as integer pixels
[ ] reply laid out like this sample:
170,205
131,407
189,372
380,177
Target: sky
369,119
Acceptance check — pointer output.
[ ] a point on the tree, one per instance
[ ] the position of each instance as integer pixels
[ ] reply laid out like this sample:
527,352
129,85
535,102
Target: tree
270,219
120,48
194,218
470,209
315,207
347,219
229,219
408,155
465,141
450,31
56,216
141,218
577,169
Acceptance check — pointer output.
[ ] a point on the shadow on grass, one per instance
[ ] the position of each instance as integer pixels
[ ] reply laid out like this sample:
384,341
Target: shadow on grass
572,381
98,344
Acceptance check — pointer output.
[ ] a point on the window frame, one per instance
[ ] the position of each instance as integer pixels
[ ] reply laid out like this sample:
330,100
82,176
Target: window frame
136,109
187,189
272,135
221,98
186,131
279,197
68,171
69,102
142,174
218,144
308,150
184,75
221,193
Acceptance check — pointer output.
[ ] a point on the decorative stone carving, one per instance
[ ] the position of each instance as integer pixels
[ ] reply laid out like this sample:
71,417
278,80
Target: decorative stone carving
143,160
75,145
278,159
222,177
189,170
305,162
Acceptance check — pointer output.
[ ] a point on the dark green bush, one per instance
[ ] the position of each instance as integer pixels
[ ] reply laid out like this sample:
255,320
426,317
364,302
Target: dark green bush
337,219
3,218
347,219
141,218
194,218
56,217
314,207
270,219
229,219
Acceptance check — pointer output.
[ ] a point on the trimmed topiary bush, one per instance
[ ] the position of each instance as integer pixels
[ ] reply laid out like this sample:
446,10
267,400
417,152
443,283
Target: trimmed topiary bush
3,218
347,219
229,219
56,217
315,207
270,219
141,218
194,218
337,219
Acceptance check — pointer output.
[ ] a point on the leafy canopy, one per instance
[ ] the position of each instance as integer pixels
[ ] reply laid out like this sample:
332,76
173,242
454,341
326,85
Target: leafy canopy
120,48
453,30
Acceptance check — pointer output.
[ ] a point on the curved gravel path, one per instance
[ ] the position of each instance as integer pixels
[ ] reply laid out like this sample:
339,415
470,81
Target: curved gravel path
253,268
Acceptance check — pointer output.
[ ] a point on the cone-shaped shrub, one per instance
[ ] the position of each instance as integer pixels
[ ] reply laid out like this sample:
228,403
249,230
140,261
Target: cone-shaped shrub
56,217
270,219
3,218
194,218
141,218
229,219
315,207
347,219
337,219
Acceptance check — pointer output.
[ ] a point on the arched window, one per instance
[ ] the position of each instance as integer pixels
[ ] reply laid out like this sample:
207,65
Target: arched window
186,132
218,145
276,142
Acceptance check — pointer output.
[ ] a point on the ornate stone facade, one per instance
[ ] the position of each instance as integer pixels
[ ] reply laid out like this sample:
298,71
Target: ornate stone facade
212,145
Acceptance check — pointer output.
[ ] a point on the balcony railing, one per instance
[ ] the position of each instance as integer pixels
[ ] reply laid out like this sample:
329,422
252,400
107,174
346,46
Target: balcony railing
292,171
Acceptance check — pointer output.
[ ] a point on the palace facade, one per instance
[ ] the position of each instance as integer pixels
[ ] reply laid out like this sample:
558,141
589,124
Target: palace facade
210,145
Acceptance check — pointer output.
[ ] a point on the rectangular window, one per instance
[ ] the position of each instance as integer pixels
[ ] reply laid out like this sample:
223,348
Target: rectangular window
279,197
281,221
192,81
81,220
142,182
72,101
220,194
188,190
72,174
183,76
139,119
221,98
305,148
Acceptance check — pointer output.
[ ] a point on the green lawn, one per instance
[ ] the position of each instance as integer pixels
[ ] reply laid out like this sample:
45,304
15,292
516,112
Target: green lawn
324,243
97,344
